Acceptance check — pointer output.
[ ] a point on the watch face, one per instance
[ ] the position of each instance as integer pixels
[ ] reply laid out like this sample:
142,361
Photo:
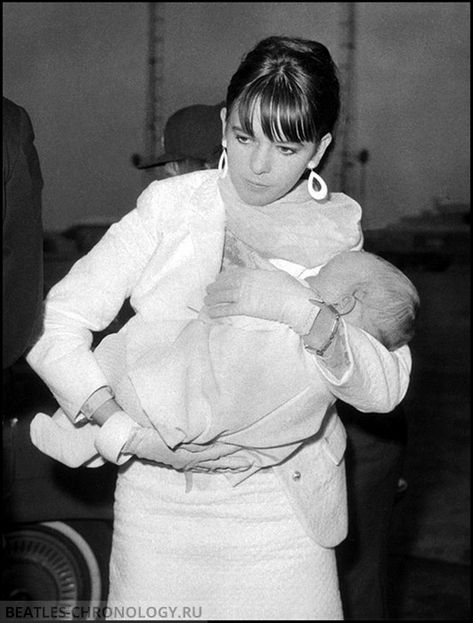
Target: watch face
321,351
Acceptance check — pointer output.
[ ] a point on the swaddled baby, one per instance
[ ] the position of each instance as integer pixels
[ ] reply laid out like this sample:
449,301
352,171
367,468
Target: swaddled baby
239,380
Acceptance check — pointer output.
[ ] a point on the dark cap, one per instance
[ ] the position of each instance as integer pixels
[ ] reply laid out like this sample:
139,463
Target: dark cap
191,132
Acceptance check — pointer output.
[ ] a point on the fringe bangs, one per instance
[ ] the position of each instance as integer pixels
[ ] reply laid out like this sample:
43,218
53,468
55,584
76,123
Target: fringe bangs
285,114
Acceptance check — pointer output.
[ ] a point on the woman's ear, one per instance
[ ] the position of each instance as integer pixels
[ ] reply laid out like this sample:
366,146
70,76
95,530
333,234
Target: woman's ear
321,149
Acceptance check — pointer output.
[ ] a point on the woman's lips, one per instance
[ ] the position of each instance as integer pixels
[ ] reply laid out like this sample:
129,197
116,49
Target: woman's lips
256,185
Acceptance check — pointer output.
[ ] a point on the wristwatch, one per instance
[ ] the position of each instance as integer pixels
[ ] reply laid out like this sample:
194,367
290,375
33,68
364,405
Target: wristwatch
333,331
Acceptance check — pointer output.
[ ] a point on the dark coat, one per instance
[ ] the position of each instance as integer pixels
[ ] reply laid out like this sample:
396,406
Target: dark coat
22,234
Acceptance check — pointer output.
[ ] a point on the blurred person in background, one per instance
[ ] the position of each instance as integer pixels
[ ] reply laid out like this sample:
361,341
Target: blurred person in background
22,259
22,235
376,445
191,142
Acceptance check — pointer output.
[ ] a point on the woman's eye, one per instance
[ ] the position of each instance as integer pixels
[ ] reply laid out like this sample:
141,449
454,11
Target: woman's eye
286,151
243,139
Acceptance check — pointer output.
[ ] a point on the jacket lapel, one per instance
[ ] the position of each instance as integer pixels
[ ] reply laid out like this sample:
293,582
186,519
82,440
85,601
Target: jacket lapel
207,228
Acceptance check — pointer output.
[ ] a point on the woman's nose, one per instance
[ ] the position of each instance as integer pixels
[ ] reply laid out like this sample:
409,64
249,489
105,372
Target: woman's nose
260,160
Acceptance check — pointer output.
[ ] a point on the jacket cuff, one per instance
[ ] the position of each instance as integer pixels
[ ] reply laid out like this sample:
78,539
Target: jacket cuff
113,436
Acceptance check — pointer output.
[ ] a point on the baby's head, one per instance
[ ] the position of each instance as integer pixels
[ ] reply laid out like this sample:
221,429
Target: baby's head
370,293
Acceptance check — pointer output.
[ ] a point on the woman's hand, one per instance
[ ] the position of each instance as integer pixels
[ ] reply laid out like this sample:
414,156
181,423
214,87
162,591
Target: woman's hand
147,443
268,294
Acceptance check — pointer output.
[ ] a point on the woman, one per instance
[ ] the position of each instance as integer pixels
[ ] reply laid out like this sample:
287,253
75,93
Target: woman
262,549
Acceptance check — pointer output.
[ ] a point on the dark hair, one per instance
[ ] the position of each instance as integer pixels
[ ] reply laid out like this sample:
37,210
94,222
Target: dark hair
295,84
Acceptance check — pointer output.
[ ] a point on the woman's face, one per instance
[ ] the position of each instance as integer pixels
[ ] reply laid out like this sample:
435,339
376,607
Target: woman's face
261,170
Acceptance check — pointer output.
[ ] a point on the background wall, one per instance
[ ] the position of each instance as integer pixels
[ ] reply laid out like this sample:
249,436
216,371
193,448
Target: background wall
80,70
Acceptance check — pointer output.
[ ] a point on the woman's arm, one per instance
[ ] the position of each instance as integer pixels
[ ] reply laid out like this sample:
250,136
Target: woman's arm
358,368
361,371
87,300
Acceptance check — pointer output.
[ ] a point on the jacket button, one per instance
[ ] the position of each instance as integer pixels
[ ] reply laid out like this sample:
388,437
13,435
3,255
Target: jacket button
296,476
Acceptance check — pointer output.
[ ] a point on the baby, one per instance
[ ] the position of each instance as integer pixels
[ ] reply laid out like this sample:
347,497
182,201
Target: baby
249,383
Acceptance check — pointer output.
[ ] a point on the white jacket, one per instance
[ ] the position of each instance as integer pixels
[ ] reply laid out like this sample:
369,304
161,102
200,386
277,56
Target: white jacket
162,255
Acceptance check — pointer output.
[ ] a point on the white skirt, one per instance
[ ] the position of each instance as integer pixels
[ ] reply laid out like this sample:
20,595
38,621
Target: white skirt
221,552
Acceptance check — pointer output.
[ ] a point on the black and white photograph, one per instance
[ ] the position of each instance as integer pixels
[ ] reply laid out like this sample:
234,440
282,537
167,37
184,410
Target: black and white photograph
236,311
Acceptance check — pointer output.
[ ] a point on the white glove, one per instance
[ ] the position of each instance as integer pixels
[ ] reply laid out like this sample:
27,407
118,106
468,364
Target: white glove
268,294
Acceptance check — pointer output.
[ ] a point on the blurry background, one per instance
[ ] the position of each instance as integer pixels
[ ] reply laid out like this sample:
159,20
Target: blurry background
82,72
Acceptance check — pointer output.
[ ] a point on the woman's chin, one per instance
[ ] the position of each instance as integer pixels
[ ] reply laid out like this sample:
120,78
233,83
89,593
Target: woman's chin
257,196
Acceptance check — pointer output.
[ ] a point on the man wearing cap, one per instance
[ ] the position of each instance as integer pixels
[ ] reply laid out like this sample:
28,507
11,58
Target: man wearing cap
192,141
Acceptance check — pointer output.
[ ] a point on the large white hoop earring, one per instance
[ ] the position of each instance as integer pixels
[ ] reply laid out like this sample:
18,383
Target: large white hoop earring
223,164
320,194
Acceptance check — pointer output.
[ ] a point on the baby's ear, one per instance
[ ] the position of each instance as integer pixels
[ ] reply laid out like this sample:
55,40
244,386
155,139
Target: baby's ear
346,303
